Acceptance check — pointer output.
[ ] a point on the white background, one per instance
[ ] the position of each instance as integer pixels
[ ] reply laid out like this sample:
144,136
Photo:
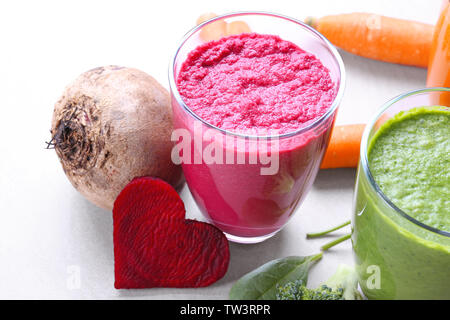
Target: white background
48,231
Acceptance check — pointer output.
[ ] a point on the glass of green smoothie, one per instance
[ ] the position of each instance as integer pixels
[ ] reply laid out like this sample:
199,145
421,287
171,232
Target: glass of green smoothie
401,221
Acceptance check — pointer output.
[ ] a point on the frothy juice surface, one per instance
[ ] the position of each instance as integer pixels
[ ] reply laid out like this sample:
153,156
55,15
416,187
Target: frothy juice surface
258,85
410,161
254,82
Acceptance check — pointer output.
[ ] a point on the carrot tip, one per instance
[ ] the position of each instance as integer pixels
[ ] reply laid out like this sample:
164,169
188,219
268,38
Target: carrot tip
205,17
311,21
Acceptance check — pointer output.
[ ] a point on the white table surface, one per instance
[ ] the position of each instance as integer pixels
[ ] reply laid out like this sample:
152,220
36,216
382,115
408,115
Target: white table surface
48,232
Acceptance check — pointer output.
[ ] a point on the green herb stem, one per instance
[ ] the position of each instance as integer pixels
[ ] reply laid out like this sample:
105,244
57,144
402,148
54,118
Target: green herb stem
317,257
327,246
319,234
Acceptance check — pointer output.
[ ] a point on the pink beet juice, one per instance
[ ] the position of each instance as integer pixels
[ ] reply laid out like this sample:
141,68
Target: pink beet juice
253,115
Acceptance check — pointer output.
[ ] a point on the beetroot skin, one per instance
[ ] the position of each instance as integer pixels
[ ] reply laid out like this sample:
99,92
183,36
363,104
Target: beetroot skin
155,246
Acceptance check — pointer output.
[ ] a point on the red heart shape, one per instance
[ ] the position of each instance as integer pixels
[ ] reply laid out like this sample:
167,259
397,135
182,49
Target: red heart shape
155,246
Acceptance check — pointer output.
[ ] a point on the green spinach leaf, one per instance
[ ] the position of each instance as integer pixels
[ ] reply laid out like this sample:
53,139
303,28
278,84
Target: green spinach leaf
261,283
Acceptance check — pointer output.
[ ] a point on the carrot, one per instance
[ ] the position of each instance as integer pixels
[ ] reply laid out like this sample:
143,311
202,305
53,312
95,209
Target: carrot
343,149
212,31
219,29
237,27
205,17
378,37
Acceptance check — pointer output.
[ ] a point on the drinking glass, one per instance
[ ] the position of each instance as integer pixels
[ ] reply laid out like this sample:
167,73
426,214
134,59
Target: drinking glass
246,203
397,257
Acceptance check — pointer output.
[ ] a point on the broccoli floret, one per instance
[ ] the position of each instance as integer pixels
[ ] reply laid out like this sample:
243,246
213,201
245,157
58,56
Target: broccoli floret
343,285
296,290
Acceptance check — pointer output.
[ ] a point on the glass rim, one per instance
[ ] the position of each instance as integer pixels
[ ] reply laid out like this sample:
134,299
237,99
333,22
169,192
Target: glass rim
331,110
365,161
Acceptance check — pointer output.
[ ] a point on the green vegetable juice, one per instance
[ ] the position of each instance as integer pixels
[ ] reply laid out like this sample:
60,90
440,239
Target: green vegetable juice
401,235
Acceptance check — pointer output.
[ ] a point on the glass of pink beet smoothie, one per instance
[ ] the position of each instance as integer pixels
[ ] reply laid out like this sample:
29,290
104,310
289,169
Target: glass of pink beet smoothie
253,113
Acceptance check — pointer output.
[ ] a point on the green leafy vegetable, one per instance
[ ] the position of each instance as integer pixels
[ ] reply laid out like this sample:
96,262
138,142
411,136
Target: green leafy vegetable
345,277
298,291
261,283
343,285
331,244
322,233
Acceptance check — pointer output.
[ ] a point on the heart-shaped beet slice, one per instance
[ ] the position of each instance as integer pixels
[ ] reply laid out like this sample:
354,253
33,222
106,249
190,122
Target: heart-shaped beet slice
155,246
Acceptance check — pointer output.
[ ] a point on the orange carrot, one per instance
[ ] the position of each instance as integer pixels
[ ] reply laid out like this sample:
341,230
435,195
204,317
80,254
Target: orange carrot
205,16
378,37
237,27
219,29
214,30
343,149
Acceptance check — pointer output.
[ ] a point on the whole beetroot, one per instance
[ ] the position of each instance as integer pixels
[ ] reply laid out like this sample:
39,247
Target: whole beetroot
113,124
